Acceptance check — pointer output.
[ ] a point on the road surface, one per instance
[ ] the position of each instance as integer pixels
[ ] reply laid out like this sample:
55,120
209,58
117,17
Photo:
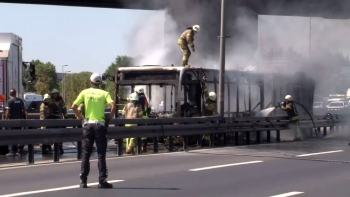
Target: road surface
316,168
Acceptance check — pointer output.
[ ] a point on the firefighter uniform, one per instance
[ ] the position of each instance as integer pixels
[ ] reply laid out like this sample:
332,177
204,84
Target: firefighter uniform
209,106
145,109
132,110
47,110
187,38
292,113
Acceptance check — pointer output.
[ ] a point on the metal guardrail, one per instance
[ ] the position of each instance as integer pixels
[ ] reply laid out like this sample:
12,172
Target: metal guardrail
153,128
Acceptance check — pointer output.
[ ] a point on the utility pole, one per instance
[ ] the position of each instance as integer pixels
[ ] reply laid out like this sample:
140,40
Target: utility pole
222,62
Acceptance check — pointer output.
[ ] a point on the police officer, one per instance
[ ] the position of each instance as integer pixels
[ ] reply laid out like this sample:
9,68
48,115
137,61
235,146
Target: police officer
293,115
132,110
94,128
15,109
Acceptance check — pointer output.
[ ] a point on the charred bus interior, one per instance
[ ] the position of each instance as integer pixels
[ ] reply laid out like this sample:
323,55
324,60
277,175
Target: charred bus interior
245,92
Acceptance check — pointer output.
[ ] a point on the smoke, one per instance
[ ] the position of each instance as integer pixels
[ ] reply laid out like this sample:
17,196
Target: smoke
278,44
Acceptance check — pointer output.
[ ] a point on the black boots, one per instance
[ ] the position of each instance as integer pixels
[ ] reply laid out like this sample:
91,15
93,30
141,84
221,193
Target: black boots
83,182
105,184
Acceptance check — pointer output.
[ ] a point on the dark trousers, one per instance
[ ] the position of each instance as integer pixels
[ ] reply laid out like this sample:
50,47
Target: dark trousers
92,133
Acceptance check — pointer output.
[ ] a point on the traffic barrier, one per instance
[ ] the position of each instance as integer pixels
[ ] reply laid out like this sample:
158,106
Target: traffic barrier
154,128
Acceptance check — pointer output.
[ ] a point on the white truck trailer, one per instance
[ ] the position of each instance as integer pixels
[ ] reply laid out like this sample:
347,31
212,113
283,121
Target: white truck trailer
11,66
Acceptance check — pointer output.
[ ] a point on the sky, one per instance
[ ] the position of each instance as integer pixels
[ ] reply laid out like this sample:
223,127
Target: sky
85,39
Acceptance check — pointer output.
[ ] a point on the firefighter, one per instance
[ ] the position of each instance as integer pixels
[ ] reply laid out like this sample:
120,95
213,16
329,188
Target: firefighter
210,102
61,113
187,38
292,113
145,109
49,110
132,110
209,106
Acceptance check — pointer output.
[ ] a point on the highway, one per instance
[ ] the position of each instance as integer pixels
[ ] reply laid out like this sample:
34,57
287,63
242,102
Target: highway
313,168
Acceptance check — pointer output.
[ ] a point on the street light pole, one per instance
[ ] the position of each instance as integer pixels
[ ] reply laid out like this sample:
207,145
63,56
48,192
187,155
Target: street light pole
62,74
64,83
222,61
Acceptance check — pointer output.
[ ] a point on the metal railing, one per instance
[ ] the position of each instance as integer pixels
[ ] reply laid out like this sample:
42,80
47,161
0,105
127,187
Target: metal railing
156,128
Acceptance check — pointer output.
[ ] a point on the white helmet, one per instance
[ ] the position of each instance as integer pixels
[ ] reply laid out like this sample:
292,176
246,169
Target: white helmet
134,97
141,90
212,96
196,28
46,96
288,98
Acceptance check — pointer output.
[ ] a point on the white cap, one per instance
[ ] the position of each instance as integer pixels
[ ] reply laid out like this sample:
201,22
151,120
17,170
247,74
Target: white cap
96,78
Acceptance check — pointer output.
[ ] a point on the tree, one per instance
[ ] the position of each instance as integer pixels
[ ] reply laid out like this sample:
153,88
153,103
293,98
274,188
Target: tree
120,61
74,84
46,78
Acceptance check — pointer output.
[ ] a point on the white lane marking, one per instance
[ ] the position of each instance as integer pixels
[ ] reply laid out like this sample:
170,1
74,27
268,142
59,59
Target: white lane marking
54,189
288,194
222,166
304,155
70,162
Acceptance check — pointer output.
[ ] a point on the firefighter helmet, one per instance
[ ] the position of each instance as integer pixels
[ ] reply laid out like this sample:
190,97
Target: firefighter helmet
54,91
134,97
196,28
212,96
46,96
288,98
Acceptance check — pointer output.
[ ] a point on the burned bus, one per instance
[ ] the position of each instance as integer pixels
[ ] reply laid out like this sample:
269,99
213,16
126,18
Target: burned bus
180,91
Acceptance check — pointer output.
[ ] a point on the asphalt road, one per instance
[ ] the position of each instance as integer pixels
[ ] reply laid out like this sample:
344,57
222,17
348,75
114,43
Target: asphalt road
318,168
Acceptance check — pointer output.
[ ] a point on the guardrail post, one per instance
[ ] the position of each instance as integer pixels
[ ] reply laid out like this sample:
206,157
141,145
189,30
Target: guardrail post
185,143
324,131
171,144
120,147
139,146
224,137
258,137
247,138
268,136
79,150
155,145
236,138
278,134
211,141
30,154
199,140
56,156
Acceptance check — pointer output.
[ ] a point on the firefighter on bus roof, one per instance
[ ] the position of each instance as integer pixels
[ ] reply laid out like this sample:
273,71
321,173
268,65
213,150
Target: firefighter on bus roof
187,38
